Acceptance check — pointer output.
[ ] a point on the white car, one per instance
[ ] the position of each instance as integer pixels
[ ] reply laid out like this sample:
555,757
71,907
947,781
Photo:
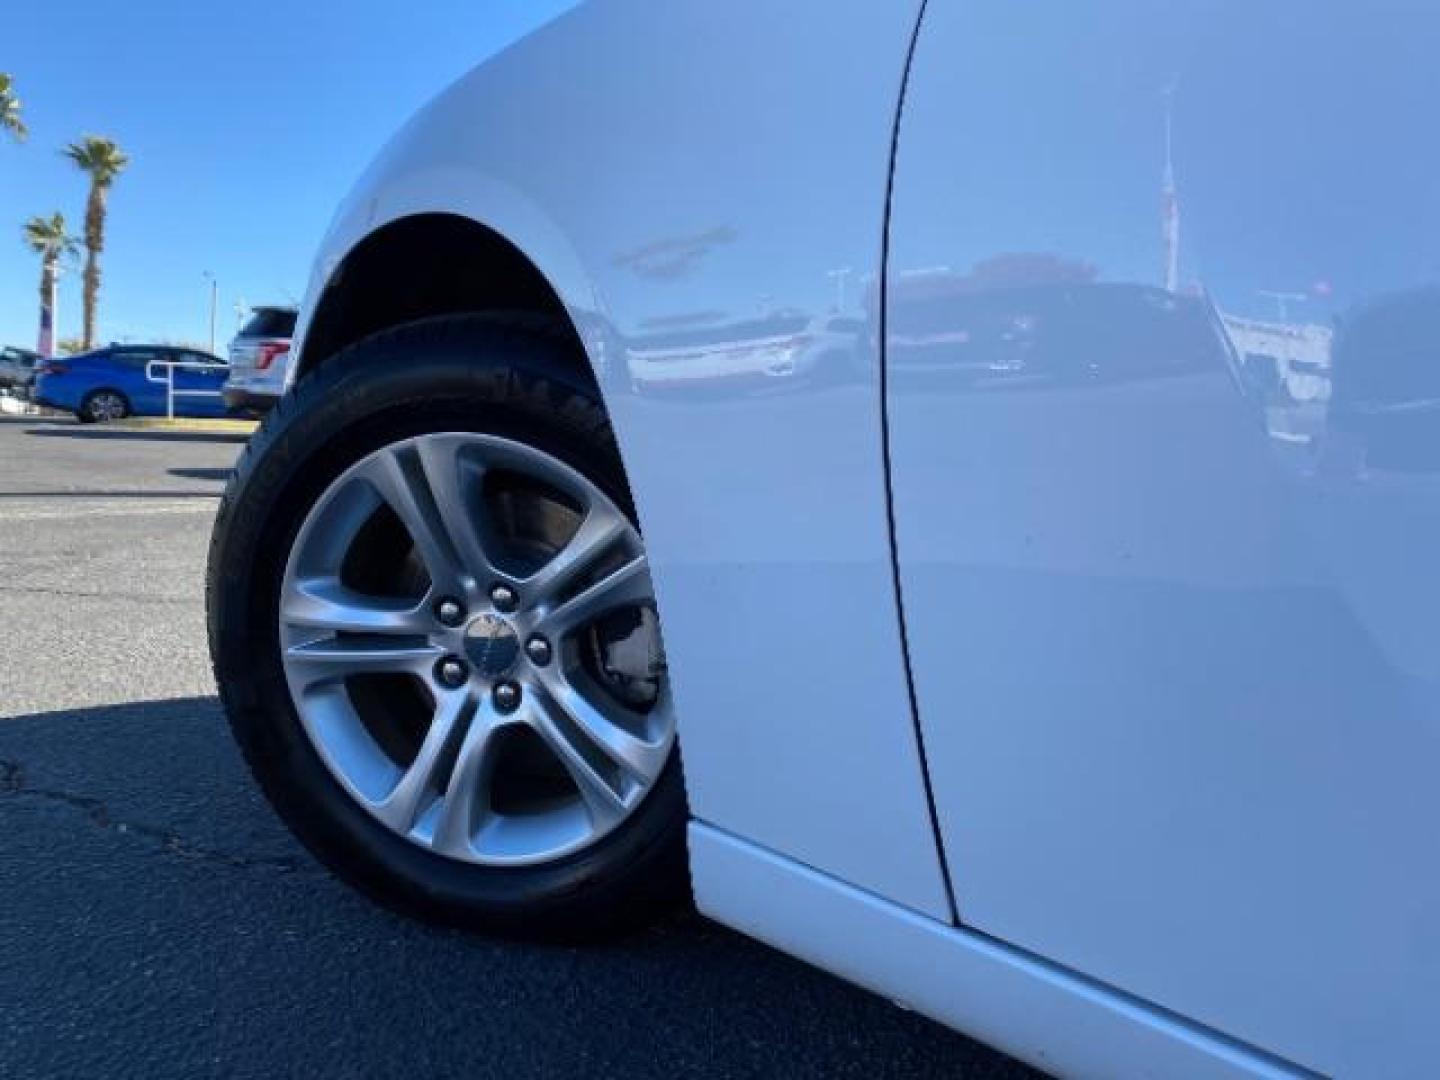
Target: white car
1019,673
17,370
259,360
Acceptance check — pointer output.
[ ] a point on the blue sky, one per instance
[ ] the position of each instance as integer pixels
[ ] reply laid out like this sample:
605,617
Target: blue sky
246,123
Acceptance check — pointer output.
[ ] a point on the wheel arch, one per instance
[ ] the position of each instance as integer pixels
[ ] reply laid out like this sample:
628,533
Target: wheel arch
429,264
107,388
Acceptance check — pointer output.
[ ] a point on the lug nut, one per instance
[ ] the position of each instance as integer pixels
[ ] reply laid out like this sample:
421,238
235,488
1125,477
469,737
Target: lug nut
507,697
539,651
504,598
452,673
450,612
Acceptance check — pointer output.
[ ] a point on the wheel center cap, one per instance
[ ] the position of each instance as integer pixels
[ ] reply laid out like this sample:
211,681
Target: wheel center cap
491,645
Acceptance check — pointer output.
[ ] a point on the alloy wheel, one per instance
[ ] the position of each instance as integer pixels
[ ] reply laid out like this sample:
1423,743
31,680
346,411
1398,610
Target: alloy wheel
469,637
106,406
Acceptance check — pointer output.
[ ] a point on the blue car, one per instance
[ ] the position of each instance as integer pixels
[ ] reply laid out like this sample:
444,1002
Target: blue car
115,382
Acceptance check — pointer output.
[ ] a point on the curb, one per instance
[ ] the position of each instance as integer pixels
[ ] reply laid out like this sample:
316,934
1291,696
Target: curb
213,427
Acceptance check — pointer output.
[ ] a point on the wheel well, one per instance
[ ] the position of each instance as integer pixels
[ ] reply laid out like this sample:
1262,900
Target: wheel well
429,265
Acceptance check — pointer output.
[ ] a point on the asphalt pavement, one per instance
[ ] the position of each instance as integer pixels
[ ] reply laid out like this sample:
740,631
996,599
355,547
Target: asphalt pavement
156,920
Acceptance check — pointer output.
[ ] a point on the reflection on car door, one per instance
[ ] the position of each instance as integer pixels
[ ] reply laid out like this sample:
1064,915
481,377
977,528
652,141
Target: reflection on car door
1173,625
199,385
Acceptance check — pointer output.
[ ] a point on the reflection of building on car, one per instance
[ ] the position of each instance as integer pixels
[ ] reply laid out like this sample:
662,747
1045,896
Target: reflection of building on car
259,360
780,347
115,382
17,369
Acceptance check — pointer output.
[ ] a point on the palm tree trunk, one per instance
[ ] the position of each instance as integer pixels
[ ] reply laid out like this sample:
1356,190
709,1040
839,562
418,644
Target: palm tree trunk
94,245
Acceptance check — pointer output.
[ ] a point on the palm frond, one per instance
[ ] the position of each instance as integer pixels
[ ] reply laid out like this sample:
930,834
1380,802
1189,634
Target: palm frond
102,158
49,236
10,119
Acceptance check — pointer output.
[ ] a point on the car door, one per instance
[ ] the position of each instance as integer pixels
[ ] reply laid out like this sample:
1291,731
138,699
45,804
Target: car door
1162,342
204,381
131,370
192,382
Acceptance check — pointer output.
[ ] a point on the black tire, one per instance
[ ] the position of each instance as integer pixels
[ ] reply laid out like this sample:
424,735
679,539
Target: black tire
507,378
89,408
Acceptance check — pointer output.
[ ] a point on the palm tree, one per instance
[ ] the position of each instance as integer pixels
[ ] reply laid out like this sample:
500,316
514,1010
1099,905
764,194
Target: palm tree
10,109
103,160
49,239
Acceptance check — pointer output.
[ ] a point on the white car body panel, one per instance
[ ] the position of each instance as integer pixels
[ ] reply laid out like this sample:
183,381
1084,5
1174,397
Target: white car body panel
1176,673
1049,1017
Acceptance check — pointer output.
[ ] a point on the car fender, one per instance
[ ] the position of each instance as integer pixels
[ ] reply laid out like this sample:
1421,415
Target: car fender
762,498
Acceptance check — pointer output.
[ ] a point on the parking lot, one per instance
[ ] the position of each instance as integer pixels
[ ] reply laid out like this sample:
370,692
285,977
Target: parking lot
157,920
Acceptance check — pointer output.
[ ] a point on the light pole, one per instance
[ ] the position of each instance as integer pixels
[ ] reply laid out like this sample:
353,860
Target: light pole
48,315
214,300
1170,201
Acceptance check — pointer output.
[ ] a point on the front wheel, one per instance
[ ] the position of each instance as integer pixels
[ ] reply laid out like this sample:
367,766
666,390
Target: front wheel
434,631
102,406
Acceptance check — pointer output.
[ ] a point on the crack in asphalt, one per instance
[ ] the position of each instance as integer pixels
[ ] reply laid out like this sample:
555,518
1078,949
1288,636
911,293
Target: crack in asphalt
165,841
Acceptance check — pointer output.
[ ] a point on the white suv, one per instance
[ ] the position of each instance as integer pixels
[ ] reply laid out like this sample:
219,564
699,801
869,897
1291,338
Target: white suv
259,361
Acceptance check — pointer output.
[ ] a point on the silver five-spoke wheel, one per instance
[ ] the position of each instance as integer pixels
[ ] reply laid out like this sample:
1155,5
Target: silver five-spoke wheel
468,633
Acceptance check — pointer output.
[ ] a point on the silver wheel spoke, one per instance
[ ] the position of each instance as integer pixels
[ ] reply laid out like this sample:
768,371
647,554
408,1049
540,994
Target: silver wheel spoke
325,604
581,736
399,478
467,799
603,803
642,760
421,782
446,469
334,659
626,586
602,528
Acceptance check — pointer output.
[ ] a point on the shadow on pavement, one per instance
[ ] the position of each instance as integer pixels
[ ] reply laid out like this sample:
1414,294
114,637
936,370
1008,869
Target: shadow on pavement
220,475
137,434
155,913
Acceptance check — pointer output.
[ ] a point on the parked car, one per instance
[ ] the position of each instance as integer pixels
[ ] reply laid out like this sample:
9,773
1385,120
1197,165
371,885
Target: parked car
259,360
17,369
114,382
1029,674
780,350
